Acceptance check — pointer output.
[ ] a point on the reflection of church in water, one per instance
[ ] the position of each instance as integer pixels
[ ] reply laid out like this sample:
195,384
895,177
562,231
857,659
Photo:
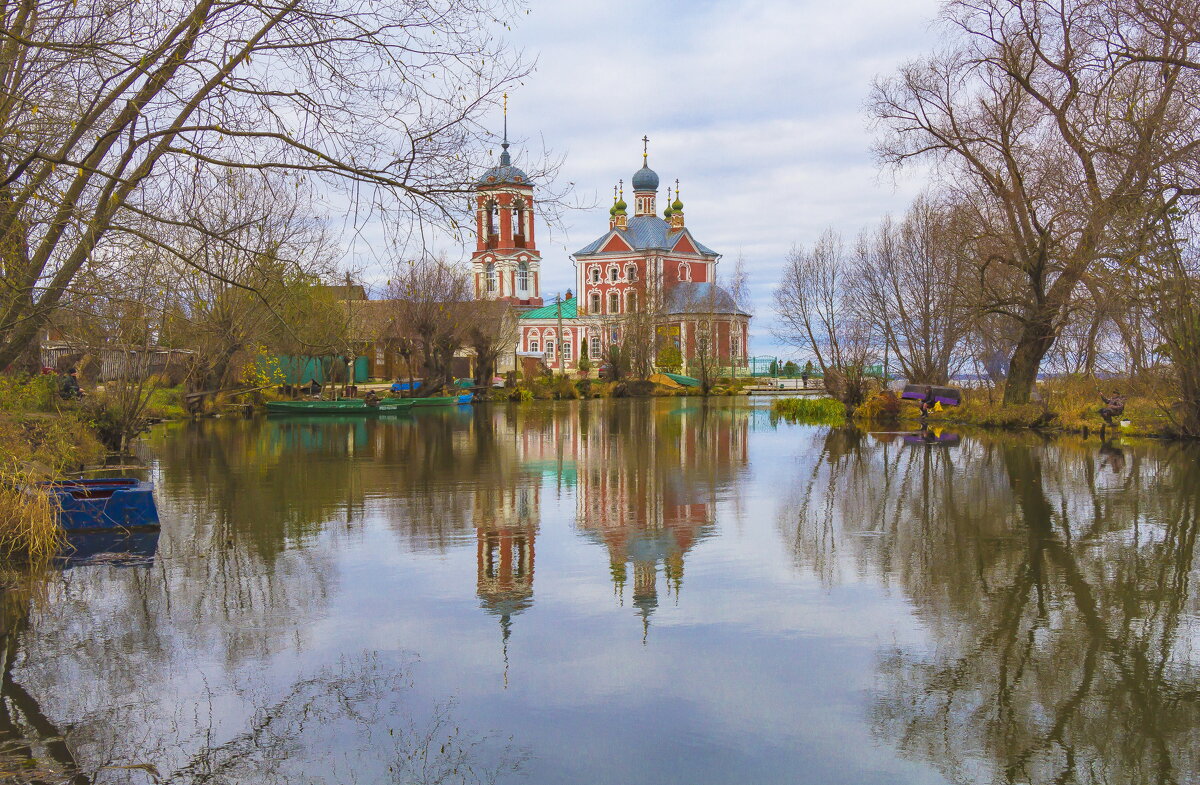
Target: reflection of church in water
646,481
648,489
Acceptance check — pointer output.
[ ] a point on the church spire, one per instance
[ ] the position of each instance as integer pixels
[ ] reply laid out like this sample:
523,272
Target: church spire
505,158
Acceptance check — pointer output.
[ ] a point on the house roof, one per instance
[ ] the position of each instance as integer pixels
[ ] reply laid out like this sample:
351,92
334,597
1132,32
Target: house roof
570,310
692,297
645,232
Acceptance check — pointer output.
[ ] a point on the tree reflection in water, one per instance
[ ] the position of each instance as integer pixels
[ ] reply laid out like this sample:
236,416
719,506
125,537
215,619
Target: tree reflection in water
238,582
1054,581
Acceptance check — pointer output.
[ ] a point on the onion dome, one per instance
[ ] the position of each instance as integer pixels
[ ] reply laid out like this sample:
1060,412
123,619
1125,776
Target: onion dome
668,209
620,207
645,179
677,205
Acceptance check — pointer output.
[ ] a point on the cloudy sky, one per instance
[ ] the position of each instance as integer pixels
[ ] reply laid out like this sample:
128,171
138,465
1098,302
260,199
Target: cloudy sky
757,107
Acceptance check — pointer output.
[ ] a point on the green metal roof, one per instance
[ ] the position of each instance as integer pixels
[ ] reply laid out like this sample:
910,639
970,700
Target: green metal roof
569,311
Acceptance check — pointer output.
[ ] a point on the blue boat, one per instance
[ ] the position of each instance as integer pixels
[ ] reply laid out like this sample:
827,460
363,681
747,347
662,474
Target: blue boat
115,547
109,503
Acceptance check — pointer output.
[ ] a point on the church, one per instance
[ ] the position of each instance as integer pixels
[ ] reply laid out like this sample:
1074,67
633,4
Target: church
643,264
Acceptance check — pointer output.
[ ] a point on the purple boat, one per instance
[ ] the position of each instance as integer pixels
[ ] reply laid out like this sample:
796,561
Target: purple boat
946,396
110,503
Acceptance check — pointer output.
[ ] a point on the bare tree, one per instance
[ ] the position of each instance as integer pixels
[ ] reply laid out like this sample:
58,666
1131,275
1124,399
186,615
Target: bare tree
432,301
245,267
110,107
815,305
491,329
911,285
1047,130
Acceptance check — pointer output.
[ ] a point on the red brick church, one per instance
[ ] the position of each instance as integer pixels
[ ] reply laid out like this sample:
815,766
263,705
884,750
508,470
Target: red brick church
643,263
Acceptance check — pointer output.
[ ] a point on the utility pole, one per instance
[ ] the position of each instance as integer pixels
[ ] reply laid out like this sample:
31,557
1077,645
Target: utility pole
559,337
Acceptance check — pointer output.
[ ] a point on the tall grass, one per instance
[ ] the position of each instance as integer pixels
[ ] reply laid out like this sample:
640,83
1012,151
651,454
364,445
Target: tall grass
29,528
817,411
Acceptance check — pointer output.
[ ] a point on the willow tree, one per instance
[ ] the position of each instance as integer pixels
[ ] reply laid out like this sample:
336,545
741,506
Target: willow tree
1048,121
109,106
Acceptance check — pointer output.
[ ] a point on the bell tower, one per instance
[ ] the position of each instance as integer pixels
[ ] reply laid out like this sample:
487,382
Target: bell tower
506,264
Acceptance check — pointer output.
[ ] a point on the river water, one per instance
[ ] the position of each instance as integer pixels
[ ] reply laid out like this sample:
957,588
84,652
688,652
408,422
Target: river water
657,591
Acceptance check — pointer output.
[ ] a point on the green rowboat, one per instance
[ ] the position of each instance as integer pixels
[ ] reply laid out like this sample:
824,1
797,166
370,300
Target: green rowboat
345,406
358,406
449,400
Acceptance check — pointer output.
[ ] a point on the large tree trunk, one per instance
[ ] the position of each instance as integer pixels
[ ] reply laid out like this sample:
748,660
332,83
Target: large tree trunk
1037,337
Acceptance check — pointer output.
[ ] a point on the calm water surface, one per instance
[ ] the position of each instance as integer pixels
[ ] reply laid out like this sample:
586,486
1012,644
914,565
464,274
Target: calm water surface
623,592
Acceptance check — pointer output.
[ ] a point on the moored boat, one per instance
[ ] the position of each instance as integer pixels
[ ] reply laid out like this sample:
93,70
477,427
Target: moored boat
446,400
345,406
109,503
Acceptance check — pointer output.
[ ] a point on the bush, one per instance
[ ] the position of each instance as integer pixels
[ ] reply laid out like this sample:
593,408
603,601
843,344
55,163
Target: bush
881,407
817,411
521,395
564,388
670,359
29,393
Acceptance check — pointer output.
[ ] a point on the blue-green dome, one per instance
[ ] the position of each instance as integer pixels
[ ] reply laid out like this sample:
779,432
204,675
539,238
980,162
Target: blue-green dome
645,179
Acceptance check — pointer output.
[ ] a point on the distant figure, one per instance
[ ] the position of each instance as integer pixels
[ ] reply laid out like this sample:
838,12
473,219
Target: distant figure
69,386
371,399
1114,406
314,388
927,402
804,377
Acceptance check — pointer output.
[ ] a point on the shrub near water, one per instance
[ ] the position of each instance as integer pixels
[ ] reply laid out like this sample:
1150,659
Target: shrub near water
818,411
29,529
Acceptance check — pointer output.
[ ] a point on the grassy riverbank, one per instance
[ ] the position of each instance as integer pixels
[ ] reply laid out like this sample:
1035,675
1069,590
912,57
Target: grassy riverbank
1064,404
41,437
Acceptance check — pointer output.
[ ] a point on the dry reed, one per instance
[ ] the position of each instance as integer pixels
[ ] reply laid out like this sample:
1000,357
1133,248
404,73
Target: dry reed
29,527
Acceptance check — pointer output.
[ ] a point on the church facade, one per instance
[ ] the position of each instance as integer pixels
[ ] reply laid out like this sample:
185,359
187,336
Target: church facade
644,266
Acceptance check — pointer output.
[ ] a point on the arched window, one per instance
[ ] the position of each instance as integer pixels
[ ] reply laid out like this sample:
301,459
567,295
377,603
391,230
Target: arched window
492,279
517,216
631,272
595,306
596,274
613,272
614,302
549,344
566,346
523,277
595,350
489,219
534,346
630,301
685,272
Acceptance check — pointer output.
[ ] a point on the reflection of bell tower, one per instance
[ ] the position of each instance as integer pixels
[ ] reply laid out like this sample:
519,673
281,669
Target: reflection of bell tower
505,537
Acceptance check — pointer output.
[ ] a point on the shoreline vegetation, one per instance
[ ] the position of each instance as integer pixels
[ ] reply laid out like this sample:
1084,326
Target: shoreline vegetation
1065,405
46,438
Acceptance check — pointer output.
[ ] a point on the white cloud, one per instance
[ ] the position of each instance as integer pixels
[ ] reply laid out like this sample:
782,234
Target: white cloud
757,108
